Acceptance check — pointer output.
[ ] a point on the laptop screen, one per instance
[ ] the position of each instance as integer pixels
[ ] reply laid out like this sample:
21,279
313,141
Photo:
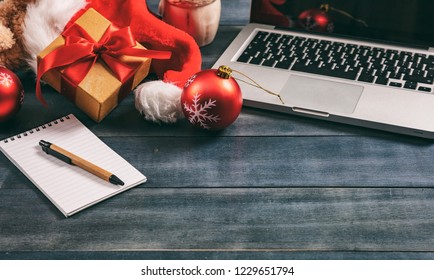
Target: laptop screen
404,21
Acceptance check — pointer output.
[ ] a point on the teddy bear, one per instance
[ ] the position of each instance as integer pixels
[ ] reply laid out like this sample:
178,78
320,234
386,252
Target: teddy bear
12,53
29,26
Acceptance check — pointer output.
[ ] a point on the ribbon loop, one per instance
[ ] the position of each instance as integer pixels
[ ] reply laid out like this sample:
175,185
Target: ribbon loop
80,52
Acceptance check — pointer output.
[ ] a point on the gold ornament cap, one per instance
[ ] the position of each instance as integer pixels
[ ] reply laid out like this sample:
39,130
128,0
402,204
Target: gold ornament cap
224,72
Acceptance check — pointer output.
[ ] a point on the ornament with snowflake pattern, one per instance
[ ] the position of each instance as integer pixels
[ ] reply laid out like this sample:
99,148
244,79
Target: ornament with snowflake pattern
198,113
211,100
11,94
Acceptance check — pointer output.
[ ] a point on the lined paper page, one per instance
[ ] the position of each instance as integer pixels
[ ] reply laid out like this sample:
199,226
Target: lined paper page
69,187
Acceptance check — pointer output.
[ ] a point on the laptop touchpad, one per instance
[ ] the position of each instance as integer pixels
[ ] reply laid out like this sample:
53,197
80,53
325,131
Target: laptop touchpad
321,95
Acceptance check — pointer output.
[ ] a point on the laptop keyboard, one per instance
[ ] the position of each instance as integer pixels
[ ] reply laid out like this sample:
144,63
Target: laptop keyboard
389,67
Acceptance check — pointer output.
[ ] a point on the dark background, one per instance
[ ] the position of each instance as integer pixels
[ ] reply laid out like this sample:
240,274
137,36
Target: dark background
404,20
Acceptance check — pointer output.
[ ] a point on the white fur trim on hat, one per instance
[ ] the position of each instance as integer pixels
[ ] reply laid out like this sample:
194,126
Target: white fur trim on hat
159,102
44,21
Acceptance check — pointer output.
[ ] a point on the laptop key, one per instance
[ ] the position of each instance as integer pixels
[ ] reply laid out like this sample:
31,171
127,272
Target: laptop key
396,76
426,89
410,85
244,57
366,78
284,64
269,62
256,60
260,36
395,84
382,81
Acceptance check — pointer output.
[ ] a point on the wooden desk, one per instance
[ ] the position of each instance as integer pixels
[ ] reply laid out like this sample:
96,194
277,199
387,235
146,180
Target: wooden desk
270,186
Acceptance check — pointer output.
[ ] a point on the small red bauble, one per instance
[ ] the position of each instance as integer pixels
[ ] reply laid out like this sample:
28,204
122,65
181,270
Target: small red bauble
211,99
315,20
11,94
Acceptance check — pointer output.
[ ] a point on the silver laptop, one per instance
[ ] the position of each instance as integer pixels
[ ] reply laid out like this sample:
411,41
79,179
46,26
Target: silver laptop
365,63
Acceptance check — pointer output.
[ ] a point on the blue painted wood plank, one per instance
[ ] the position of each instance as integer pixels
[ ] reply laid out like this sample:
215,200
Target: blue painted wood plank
213,255
215,161
276,220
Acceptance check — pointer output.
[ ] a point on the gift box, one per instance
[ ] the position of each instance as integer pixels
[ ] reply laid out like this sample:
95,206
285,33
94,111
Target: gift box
94,64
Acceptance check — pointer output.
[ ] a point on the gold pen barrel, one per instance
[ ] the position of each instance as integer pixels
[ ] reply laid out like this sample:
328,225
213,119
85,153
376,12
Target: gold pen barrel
84,164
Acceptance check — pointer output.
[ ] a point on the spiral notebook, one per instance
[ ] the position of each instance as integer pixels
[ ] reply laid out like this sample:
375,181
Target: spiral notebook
70,188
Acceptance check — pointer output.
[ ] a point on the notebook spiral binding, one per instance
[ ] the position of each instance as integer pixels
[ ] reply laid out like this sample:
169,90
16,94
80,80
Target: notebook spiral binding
39,128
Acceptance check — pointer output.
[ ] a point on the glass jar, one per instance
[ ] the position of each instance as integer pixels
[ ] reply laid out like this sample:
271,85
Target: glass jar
199,18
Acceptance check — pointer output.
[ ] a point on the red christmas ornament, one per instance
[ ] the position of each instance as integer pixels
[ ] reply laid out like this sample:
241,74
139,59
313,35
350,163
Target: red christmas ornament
11,94
211,99
315,20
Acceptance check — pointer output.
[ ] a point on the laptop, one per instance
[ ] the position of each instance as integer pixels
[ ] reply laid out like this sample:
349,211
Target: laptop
365,63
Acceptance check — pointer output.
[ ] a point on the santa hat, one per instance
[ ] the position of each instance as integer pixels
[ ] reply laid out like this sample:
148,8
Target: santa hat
156,100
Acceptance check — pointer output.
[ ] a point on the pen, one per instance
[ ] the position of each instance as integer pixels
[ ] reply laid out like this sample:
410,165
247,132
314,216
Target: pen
70,158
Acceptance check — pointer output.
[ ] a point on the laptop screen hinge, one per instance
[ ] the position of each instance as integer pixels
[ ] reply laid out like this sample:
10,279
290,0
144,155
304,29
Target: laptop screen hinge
431,50
343,36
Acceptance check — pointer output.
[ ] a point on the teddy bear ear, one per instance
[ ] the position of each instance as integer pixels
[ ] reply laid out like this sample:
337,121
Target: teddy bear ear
6,38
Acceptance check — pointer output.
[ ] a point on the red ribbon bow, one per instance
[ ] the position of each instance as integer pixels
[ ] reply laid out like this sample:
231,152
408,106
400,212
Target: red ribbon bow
80,52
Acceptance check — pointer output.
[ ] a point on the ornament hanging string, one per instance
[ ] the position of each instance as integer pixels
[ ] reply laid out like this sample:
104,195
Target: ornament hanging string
327,7
228,71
